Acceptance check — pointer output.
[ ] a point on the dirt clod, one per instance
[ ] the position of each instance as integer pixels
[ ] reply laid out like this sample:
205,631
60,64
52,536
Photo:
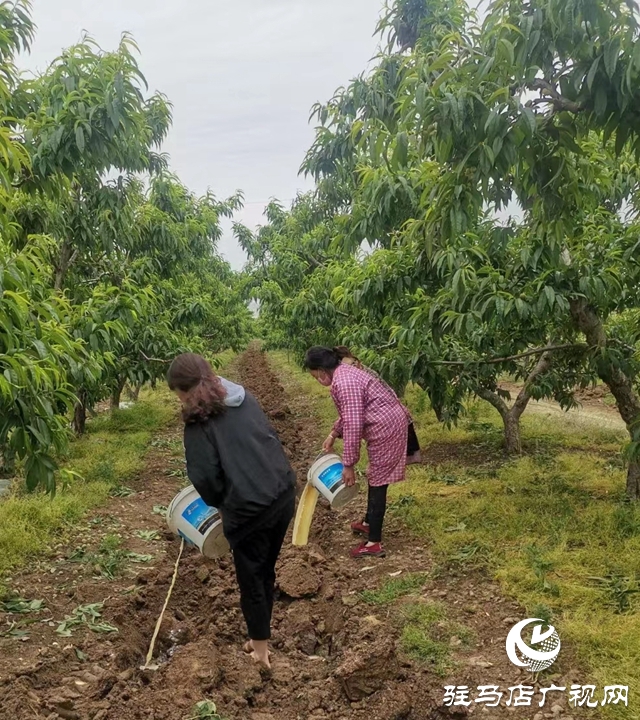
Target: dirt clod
298,579
366,670
202,574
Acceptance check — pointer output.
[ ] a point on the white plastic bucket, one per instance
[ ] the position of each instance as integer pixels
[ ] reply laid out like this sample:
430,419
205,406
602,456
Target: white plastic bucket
326,476
199,524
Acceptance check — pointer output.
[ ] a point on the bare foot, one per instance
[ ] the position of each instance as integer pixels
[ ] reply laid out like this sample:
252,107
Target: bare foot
261,653
264,663
258,653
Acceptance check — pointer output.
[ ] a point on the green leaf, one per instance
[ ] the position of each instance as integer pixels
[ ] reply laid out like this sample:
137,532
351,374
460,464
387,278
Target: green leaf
592,72
509,51
611,54
402,149
80,138
521,308
621,138
530,121
492,123
420,98
600,106
551,296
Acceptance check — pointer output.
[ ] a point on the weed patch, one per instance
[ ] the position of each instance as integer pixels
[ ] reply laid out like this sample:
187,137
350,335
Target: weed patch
428,636
148,535
110,560
88,616
394,589
204,710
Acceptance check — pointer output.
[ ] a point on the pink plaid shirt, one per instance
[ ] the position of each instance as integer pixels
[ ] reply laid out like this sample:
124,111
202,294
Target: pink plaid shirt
369,410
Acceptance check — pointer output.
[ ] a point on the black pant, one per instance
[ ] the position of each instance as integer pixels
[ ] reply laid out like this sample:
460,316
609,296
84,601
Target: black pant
255,559
376,507
412,441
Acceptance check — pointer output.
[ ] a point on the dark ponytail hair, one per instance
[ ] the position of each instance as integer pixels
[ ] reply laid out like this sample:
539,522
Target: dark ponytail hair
344,353
322,358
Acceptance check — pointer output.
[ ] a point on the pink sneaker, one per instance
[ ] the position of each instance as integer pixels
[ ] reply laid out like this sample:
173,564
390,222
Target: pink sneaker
364,550
360,528
414,459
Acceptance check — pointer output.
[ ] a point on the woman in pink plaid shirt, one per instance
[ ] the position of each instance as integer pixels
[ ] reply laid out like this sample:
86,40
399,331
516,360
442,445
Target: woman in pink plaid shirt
368,410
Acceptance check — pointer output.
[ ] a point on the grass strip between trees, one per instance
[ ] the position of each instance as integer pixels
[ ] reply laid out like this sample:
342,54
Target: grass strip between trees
108,457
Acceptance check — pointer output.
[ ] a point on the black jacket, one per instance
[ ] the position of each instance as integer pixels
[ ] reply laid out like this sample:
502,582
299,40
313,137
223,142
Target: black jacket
237,464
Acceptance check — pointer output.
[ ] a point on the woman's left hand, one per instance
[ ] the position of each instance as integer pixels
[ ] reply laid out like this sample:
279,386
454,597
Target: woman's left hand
348,476
327,445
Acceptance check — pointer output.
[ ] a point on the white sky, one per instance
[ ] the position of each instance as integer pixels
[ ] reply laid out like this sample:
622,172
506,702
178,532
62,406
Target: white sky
242,76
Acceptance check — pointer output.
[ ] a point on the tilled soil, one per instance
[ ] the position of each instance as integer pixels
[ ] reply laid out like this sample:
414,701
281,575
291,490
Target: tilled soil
335,657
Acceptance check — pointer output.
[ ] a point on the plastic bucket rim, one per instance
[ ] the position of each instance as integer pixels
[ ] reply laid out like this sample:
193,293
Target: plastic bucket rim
320,460
183,528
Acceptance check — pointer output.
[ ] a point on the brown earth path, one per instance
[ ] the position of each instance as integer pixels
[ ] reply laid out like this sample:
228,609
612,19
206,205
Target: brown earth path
592,410
335,656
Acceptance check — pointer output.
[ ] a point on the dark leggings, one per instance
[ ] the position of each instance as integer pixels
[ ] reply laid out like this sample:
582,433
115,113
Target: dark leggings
255,559
376,507
413,446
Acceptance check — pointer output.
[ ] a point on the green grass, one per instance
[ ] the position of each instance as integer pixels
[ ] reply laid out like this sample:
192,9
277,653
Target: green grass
428,636
544,525
108,457
394,589
552,525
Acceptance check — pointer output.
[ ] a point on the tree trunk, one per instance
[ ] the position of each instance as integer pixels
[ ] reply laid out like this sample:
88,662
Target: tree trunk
7,462
512,441
621,386
438,409
116,394
511,415
633,480
511,420
134,392
79,422
65,259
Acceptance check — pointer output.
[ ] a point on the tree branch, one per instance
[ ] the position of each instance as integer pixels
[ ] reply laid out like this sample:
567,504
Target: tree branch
511,358
391,343
312,261
95,281
151,359
494,399
555,98
542,366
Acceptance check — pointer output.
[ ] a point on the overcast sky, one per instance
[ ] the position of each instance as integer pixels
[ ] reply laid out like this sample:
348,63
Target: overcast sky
242,76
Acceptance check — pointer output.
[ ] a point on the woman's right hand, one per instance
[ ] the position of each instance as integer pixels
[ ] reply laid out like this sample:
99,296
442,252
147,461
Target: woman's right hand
327,445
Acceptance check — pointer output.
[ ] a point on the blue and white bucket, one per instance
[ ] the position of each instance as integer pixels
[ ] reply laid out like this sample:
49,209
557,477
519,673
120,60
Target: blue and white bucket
198,523
326,476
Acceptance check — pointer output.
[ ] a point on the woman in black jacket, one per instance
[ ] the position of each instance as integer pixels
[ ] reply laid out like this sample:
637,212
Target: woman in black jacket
238,465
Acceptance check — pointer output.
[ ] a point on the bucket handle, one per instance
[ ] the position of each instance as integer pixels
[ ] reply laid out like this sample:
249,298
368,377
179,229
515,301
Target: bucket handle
320,454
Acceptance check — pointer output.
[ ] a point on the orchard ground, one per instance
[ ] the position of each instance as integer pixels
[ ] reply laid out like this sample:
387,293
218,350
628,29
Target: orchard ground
476,542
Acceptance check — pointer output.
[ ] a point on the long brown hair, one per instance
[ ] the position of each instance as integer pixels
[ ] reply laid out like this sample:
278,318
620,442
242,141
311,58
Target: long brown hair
191,373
